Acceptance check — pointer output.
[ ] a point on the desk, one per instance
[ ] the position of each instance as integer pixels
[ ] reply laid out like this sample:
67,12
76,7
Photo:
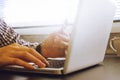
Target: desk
108,70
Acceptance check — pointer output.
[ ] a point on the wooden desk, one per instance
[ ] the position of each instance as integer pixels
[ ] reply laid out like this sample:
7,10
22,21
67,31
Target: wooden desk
109,70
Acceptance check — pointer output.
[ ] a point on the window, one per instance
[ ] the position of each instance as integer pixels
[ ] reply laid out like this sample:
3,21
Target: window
41,13
38,12
117,15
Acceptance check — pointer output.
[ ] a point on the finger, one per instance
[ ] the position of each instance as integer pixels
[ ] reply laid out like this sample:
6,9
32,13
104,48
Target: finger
15,61
62,38
63,45
36,54
62,29
29,57
31,51
62,32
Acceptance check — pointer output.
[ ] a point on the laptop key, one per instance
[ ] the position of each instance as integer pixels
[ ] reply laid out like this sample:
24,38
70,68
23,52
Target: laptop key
53,63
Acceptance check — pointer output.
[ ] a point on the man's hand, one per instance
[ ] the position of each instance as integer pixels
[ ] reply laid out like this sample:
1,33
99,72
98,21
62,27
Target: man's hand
16,54
55,45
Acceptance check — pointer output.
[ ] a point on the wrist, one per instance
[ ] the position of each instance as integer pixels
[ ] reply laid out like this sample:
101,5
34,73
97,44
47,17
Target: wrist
38,48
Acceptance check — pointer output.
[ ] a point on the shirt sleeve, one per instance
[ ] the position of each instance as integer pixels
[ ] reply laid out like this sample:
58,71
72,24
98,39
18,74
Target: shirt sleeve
9,36
26,43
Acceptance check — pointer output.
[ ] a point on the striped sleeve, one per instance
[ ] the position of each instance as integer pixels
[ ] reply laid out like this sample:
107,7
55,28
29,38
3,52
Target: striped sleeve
9,36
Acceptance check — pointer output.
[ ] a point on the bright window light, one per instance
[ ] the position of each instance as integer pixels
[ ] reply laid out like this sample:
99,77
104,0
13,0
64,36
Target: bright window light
39,12
24,13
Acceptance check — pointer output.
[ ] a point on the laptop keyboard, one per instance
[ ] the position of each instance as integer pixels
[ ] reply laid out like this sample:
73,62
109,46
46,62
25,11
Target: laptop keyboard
54,63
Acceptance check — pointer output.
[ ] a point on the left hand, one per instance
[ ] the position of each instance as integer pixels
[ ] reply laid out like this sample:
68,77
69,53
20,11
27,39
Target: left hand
55,44
16,54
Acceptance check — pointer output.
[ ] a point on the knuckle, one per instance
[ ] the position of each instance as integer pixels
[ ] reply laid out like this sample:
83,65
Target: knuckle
25,53
15,61
31,49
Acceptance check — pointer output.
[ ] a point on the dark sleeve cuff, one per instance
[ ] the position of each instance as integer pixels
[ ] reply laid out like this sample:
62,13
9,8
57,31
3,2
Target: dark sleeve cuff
38,48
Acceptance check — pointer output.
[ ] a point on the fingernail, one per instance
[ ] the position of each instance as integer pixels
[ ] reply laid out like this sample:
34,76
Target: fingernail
43,65
47,63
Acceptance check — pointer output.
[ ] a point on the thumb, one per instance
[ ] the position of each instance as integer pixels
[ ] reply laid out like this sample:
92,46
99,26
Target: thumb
62,30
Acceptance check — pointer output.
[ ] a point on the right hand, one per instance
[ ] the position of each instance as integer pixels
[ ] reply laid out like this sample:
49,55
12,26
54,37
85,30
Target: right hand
55,45
16,54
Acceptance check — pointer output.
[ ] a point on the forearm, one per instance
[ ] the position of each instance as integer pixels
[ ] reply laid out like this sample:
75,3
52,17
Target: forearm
9,36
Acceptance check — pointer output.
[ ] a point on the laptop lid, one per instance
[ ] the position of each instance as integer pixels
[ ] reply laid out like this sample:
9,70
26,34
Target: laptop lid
90,34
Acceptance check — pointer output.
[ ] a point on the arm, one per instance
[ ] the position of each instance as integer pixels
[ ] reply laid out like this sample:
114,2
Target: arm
9,36
54,45
13,53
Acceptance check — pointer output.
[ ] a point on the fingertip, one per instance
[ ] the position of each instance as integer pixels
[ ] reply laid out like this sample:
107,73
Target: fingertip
31,67
28,66
20,62
60,31
47,63
42,65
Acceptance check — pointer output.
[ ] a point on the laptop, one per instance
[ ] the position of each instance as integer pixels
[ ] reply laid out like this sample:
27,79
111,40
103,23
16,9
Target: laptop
88,40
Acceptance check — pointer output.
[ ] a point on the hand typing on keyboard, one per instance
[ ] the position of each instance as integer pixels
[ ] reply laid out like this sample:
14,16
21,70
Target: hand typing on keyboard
53,63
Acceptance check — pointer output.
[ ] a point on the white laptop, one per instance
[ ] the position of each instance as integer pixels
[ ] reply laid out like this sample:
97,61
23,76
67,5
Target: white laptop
88,40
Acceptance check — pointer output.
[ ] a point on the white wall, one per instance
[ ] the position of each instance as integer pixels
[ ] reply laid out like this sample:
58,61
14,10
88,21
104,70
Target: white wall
47,30
36,30
42,30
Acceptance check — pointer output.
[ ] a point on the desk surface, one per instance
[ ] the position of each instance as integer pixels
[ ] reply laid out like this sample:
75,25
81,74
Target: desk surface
109,70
